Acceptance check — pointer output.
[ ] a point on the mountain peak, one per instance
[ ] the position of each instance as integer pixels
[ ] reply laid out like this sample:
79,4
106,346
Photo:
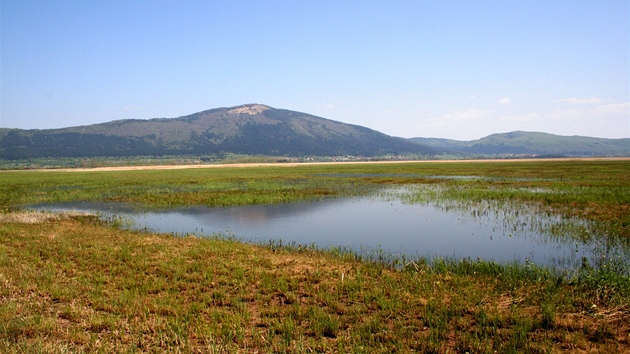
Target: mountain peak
251,109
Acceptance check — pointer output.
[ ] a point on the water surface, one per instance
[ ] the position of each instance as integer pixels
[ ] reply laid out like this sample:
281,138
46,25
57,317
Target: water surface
376,225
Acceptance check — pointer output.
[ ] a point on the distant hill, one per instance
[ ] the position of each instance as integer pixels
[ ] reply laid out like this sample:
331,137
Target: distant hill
531,144
252,129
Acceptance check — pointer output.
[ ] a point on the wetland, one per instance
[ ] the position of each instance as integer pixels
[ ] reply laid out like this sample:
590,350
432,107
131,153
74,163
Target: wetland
387,225
76,282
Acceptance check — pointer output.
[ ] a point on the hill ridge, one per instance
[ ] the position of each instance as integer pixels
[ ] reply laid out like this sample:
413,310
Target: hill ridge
258,129
253,129
532,144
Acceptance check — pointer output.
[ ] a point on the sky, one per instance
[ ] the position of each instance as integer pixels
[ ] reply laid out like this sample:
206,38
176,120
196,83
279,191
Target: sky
446,69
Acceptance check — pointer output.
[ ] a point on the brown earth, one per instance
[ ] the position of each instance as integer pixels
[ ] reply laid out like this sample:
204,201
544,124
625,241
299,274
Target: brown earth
294,164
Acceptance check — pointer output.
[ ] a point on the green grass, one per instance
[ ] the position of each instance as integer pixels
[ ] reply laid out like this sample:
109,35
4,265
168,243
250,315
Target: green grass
74,284
595,190
163,189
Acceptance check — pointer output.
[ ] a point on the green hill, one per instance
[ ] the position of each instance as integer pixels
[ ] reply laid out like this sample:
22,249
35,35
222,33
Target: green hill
252,129
531,144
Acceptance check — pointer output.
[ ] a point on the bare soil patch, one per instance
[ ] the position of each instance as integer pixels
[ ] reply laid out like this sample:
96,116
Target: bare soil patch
294,164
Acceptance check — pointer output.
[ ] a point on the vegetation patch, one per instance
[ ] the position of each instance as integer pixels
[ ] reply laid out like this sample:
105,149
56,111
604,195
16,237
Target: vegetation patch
34,217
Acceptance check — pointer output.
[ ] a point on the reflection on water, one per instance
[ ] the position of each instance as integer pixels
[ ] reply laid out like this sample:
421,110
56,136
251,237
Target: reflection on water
367,224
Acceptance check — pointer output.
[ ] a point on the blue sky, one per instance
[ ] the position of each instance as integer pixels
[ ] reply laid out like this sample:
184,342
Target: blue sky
447,69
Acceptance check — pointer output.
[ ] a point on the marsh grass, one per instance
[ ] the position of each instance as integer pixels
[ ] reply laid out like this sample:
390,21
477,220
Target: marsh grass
596,190
76,284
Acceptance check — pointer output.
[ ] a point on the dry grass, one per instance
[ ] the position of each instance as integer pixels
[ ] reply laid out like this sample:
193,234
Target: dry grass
37,217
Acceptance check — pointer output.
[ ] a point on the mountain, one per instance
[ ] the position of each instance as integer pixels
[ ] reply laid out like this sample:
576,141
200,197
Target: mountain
532,144
252,129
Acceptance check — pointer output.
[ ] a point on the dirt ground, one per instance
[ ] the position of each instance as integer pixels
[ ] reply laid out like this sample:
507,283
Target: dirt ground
293,164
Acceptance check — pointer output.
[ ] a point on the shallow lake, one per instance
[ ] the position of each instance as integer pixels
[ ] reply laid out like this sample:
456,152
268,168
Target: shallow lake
381,226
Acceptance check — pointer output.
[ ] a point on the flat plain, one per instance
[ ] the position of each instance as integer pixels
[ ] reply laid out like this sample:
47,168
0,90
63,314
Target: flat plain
74,283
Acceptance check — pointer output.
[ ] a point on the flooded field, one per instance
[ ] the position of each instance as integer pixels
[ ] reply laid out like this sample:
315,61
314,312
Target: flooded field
387,225
513,256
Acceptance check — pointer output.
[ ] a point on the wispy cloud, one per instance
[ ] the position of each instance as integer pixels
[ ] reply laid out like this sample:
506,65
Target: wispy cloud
569,113
613,109
325,106
586,100
126,108
529,117
505,100
459,117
